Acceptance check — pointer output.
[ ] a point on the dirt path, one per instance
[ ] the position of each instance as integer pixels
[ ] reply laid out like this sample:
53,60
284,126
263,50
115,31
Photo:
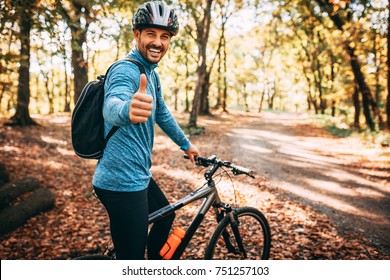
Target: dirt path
339,177
295,161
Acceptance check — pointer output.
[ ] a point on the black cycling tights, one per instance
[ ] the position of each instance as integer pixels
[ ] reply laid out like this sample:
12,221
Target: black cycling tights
128,212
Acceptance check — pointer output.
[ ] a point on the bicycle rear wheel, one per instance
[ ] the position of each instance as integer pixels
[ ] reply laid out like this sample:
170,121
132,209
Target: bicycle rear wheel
254,231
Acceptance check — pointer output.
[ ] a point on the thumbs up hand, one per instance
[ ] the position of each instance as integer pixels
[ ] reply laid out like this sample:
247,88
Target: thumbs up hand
141,105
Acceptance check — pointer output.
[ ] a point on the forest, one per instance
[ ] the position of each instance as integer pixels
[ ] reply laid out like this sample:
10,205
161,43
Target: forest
298,91
326,57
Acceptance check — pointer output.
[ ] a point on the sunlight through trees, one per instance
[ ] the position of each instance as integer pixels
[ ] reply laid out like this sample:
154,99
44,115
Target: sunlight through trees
324,56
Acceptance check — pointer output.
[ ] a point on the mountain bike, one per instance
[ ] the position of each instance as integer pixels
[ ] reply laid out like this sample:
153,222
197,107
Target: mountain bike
241,233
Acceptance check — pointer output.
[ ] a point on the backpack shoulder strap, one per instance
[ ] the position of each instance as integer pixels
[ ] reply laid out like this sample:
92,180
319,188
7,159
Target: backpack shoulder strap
156,77
140,66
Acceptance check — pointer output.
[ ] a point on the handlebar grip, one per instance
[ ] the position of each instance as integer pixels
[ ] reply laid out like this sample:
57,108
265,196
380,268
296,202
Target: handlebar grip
242,170
201,160
236,169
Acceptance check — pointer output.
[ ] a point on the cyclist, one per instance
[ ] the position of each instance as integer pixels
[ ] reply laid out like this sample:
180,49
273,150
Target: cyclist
122,179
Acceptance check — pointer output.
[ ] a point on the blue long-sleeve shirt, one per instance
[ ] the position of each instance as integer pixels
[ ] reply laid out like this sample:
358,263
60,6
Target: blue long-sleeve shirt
126,162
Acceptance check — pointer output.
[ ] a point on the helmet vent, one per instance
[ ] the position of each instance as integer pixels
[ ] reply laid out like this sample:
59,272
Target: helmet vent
149,8
160,8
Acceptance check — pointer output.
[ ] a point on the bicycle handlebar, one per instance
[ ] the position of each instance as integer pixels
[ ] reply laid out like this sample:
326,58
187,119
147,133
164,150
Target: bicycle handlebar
214,161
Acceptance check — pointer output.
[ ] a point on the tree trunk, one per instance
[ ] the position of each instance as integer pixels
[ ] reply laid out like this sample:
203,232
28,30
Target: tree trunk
270,100
176,99
356,69
219,83
356,103
5,82
224,97
79,64
22,114
377,60
67,95
12,190
246,99
333,108
316,68
78,17
203,30
16,215
204,100
261,101
49,93
308,104
364,89
187,101
196,103
367,112
4,175
310,99
388,73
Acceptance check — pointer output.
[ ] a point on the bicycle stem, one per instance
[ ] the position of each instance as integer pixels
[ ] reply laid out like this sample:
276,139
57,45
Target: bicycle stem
209,174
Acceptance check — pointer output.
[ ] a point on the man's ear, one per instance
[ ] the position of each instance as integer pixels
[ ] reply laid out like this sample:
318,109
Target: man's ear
137,34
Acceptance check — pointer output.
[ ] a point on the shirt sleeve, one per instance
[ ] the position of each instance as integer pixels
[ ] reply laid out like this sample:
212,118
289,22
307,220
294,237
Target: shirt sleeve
119,90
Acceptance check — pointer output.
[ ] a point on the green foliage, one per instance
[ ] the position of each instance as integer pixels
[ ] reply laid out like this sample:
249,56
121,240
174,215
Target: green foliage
339,131
341,128
279,54
337,126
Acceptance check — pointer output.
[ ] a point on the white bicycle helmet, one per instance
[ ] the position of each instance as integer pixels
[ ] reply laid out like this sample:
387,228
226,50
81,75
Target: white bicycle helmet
156,14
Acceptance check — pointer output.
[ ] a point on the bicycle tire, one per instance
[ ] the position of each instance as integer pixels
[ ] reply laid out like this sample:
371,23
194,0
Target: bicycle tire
94,257
255,233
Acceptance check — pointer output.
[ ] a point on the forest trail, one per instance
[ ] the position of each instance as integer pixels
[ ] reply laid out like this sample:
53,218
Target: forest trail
339,177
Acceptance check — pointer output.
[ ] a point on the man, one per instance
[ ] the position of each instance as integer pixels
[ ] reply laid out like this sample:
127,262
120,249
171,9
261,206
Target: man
134,102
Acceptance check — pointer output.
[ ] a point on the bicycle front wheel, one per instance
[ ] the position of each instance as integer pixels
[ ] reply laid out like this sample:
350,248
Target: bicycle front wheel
254,231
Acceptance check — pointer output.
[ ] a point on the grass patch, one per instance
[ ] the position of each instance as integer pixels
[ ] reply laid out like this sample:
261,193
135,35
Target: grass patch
339,127
193,130
339,132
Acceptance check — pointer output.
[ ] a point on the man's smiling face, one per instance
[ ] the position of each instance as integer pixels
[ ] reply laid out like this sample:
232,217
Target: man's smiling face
152,43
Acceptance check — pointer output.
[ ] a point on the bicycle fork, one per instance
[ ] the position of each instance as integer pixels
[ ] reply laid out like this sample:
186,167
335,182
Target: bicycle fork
234,223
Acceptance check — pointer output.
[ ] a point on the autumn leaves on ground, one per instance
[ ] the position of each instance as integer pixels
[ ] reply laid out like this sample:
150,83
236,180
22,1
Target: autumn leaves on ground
78,223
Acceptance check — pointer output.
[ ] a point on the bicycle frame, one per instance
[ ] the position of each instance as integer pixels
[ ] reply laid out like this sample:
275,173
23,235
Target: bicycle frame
227,218
212,199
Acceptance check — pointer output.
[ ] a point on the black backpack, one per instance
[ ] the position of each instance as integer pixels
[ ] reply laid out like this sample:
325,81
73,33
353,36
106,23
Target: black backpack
87,118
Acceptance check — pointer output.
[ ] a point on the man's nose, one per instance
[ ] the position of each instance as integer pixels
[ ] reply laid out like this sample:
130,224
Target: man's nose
158,42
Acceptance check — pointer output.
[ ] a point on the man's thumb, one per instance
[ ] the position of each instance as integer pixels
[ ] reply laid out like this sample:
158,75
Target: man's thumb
142,83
